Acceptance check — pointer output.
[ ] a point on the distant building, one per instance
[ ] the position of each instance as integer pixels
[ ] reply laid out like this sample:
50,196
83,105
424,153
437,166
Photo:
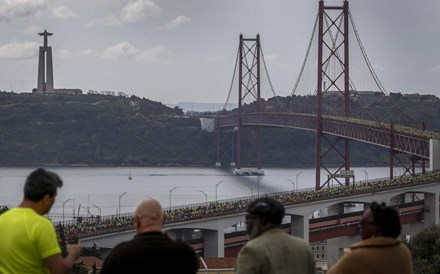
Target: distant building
319,251
419,98
70,91
366,98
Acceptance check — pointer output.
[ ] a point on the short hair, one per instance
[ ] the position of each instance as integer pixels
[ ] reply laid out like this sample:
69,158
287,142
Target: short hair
268,208
388,219
41,182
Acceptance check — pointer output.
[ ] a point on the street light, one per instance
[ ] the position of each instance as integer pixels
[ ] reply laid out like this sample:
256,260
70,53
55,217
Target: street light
98,209
252,190
206,195
297,175
258,185
120,196
216,185
171,190
64,203
293,184
366,173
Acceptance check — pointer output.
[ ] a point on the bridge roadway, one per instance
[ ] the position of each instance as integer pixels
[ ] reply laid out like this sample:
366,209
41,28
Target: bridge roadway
214,218
407,140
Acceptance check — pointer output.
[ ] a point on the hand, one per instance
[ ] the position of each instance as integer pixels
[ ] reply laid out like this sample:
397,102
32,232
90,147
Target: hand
74,250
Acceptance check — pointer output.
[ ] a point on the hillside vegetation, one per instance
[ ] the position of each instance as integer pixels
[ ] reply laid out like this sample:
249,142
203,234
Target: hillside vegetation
97,130
114,130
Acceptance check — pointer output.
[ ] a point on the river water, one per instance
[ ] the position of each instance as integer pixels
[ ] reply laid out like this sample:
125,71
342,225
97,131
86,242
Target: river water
106,190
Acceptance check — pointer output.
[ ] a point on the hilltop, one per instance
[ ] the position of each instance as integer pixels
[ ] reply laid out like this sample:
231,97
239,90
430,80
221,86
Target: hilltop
110,130
97,130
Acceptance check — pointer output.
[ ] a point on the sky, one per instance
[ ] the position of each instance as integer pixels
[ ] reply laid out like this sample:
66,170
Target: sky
175,51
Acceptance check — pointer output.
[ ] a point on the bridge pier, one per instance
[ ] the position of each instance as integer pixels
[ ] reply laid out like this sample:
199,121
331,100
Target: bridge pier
214,243
431,209
397,200
434,154
335,209
299,226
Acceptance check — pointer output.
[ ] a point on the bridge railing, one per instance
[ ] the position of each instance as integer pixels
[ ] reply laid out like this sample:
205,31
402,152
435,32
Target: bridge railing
187,213
308,121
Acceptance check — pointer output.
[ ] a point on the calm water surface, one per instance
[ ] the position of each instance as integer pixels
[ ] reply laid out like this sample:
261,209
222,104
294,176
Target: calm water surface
102,190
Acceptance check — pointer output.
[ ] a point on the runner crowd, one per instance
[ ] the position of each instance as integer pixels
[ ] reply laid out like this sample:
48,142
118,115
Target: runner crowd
89,227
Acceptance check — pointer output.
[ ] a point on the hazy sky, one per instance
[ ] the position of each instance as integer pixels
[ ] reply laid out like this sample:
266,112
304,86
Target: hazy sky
184,50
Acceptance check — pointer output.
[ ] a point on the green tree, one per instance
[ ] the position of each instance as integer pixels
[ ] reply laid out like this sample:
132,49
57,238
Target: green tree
425,249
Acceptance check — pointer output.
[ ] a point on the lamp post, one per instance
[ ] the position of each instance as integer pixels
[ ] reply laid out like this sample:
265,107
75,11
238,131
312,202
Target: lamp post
252,190
206,195
297,175
119,208
97,207
64,203
293,184
171,190
216,186
366,173
258,185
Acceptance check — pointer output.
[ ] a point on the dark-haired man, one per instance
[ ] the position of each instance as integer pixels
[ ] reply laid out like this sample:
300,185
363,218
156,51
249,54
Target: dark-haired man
28,241
270,250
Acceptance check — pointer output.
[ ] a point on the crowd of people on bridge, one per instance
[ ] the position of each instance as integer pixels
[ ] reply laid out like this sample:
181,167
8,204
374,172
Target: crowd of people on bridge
41,189
114,223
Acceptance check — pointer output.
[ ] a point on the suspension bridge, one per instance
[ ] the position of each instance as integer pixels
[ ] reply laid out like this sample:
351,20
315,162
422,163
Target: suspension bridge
335,127
338,115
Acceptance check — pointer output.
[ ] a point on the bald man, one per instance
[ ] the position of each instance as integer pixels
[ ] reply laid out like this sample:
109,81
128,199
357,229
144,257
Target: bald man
151,251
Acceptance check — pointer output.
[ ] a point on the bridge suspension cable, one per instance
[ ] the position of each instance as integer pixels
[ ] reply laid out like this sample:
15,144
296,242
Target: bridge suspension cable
232,82
366,80
306,57
373,73
364,53
270,82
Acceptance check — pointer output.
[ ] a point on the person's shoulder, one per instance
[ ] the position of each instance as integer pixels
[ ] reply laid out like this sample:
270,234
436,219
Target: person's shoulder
27,213
292,238
299,240
124,245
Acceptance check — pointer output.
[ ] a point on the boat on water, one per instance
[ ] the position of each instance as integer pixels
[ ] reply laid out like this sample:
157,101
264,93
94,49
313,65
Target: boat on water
248,172
129,175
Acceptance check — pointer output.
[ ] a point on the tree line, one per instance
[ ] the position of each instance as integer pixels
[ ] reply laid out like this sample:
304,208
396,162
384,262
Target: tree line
96,129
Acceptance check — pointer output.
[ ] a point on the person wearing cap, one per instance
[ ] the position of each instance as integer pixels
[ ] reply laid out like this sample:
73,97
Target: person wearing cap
270,250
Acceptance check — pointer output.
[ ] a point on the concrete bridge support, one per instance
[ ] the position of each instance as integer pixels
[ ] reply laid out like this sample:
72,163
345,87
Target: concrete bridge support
397,200
434,154
335,209
299,226
214,243
431,209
